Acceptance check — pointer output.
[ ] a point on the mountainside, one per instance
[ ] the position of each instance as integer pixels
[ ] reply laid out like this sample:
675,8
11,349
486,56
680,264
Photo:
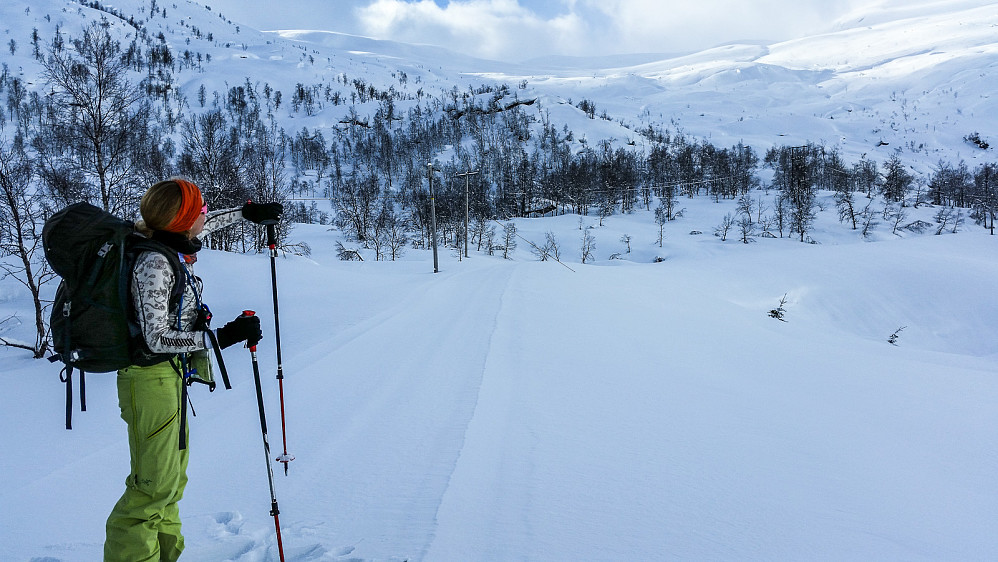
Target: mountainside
918,80
894,76
608,381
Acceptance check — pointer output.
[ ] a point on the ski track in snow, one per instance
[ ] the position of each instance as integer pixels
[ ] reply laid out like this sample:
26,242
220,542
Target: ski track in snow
499,311
387,405
496,412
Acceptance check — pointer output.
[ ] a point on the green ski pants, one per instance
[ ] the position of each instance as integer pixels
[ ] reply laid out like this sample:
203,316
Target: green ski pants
145,523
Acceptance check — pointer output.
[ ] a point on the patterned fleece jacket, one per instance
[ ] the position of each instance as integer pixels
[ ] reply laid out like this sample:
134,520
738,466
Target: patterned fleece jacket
152,281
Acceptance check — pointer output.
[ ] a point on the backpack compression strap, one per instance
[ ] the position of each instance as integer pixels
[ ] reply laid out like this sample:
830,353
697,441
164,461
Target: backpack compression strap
66,376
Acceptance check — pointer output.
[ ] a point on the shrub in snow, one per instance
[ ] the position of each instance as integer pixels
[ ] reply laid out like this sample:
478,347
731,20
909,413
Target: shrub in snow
779,311
893,339
347,254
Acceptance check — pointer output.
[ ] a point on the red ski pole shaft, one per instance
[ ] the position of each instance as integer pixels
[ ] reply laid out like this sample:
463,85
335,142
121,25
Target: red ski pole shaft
272,243
277,524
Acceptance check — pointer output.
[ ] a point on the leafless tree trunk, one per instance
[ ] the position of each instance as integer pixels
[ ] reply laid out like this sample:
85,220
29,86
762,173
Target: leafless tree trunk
509,239
21,237
588,246
722,230
97,108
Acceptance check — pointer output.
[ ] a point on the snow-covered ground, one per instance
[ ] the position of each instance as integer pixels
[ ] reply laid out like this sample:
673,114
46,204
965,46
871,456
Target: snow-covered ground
526,410
616,410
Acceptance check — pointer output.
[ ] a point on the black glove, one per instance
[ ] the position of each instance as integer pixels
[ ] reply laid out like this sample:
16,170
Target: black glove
203,320
244,328
263,213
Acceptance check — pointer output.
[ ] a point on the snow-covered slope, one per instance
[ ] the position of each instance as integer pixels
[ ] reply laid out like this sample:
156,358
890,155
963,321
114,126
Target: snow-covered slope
916,76
894,76
919,80
526,410
616,410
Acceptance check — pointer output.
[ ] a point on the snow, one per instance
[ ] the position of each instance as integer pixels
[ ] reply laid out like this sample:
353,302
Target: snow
518,409
617,410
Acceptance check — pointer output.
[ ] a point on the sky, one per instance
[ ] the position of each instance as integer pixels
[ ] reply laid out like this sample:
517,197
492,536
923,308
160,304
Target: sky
518,30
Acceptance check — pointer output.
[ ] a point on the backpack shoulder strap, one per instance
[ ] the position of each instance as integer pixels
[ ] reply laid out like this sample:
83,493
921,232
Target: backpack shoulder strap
138,244
135,246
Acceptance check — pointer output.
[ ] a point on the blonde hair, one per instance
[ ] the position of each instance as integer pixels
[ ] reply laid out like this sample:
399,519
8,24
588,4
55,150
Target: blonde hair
159,206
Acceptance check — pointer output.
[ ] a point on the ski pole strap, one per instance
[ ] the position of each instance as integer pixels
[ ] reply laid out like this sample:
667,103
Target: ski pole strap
183,416
183,402
192,380
218,359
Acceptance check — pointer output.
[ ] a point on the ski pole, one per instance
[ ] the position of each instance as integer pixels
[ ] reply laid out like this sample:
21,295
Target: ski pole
266,443
272,242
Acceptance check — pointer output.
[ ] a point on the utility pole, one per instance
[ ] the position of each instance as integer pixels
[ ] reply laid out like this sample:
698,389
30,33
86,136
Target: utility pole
433,216
465,175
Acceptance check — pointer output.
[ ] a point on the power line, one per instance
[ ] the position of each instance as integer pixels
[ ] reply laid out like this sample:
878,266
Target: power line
541,250
690,183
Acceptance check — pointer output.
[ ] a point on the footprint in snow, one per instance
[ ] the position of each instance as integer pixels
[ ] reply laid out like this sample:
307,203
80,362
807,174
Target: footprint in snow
228,523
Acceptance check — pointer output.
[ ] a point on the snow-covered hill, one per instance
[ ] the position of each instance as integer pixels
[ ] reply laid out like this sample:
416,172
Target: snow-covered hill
918,80
914,77
894,76
640,408
523,410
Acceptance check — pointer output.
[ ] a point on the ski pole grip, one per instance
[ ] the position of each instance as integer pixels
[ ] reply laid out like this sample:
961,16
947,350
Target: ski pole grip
271,233
247,314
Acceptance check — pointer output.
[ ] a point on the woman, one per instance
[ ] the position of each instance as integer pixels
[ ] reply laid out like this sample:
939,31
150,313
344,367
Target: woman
145,523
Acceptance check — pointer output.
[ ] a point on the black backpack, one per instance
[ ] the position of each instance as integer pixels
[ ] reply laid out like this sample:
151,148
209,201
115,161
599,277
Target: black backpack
94,325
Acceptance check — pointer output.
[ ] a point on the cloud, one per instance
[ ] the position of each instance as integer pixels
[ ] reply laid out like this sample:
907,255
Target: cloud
514,29
668,26
485,28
